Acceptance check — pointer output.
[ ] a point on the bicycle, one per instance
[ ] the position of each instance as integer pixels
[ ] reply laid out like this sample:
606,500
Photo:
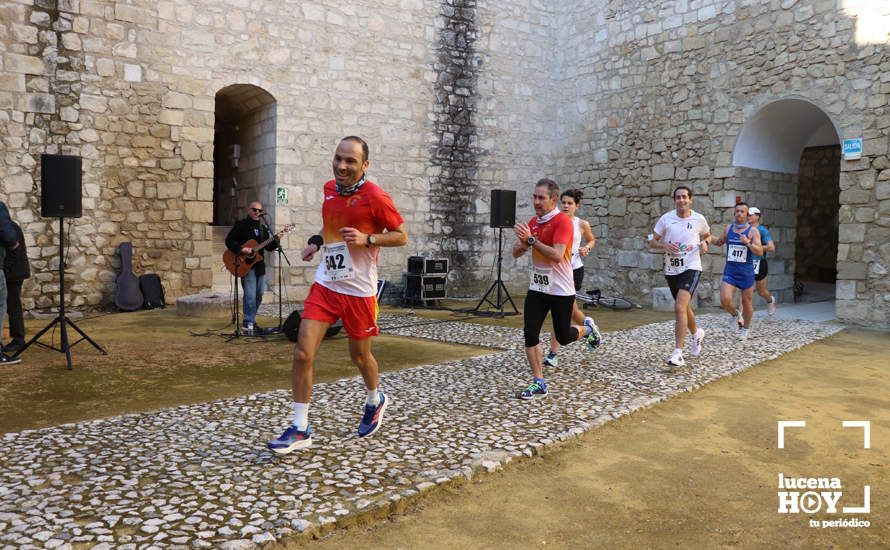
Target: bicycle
594,298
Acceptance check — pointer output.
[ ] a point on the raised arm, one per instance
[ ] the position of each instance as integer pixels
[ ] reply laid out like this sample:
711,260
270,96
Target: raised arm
719,241
753,243
587,235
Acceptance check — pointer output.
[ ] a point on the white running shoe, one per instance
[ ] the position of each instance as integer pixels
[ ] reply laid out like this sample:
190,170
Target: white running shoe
743,333
740,320
772,306
695,345
677,358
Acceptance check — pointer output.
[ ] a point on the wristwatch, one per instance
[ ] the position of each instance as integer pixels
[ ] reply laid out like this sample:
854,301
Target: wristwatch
530,241
372,240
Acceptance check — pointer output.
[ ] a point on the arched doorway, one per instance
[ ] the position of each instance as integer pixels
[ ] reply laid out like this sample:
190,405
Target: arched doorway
243,149
244,160
789,150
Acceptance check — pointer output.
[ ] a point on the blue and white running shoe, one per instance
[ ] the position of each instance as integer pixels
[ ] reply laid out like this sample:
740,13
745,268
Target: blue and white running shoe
373,417
550,359
291,440
535,389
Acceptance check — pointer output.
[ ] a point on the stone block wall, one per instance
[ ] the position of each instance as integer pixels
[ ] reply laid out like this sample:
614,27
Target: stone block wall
776,195
456,97
653,95
131,88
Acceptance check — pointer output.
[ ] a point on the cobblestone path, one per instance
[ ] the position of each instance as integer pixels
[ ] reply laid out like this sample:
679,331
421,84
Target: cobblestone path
200,475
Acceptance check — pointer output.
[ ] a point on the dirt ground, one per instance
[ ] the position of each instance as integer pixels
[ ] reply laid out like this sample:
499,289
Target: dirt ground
697,471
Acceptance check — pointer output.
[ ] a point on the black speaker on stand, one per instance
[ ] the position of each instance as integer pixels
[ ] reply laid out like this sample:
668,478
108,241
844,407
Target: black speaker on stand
60,196
503,214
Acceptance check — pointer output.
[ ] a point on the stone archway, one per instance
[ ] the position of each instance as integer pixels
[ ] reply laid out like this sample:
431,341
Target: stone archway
243,149
787,160
244,160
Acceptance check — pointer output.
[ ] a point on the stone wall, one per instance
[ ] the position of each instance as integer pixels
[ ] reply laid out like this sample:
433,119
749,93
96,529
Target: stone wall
817,213
776,195
131,88
516,60
656,94
456,97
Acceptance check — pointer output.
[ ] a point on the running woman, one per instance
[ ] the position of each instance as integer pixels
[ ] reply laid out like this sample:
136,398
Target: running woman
358,218
761,267
569,203
742,244
683,234
551,288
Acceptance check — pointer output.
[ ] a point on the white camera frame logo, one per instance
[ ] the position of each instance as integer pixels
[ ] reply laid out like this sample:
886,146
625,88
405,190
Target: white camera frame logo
811,502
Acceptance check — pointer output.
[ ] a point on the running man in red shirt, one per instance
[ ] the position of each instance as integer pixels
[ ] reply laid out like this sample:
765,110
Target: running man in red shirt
358,218
552,286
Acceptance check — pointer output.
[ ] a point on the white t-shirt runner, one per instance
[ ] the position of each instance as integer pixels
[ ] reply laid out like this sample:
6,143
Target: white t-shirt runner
687,234
577,261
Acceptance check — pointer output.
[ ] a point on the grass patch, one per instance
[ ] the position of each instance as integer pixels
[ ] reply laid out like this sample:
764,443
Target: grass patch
155,361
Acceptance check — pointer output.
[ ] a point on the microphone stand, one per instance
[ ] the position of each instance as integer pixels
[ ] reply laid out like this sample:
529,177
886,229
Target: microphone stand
235,320
281,254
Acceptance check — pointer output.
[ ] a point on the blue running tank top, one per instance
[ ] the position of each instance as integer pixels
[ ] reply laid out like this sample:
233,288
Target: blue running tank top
739,259
765,238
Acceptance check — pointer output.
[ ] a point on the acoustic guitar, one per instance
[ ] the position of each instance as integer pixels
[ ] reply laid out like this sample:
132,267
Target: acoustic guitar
127,296
239,264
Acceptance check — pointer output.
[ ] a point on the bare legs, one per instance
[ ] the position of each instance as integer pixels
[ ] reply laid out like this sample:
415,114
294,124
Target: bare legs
578,317
309,340
727,300
685,318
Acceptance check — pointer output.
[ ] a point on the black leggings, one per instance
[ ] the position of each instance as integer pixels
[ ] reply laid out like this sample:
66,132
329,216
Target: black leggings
537,304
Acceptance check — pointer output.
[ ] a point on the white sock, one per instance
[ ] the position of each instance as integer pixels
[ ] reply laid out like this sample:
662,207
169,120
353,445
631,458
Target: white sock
373,397
301,416
678,350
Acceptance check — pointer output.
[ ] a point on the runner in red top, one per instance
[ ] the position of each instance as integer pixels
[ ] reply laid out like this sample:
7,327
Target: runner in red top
358,218
551,286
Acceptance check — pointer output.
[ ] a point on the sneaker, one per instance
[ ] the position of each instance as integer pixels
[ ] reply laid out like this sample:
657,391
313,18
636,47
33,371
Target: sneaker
550,359
772,306
291,440
594,338
740,320
7,360
535,389
676,359
695,345
373,417
743,333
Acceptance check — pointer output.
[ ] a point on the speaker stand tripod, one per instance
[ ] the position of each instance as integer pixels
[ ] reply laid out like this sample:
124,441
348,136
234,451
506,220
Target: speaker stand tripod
503,296
62,320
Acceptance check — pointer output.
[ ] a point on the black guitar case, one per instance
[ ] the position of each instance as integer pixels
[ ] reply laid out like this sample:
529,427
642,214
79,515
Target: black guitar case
152,291
127,297
291,327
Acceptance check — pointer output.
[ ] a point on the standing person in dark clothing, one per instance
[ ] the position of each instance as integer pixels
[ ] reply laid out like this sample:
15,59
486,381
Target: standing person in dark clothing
7,242
254,283
16,269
